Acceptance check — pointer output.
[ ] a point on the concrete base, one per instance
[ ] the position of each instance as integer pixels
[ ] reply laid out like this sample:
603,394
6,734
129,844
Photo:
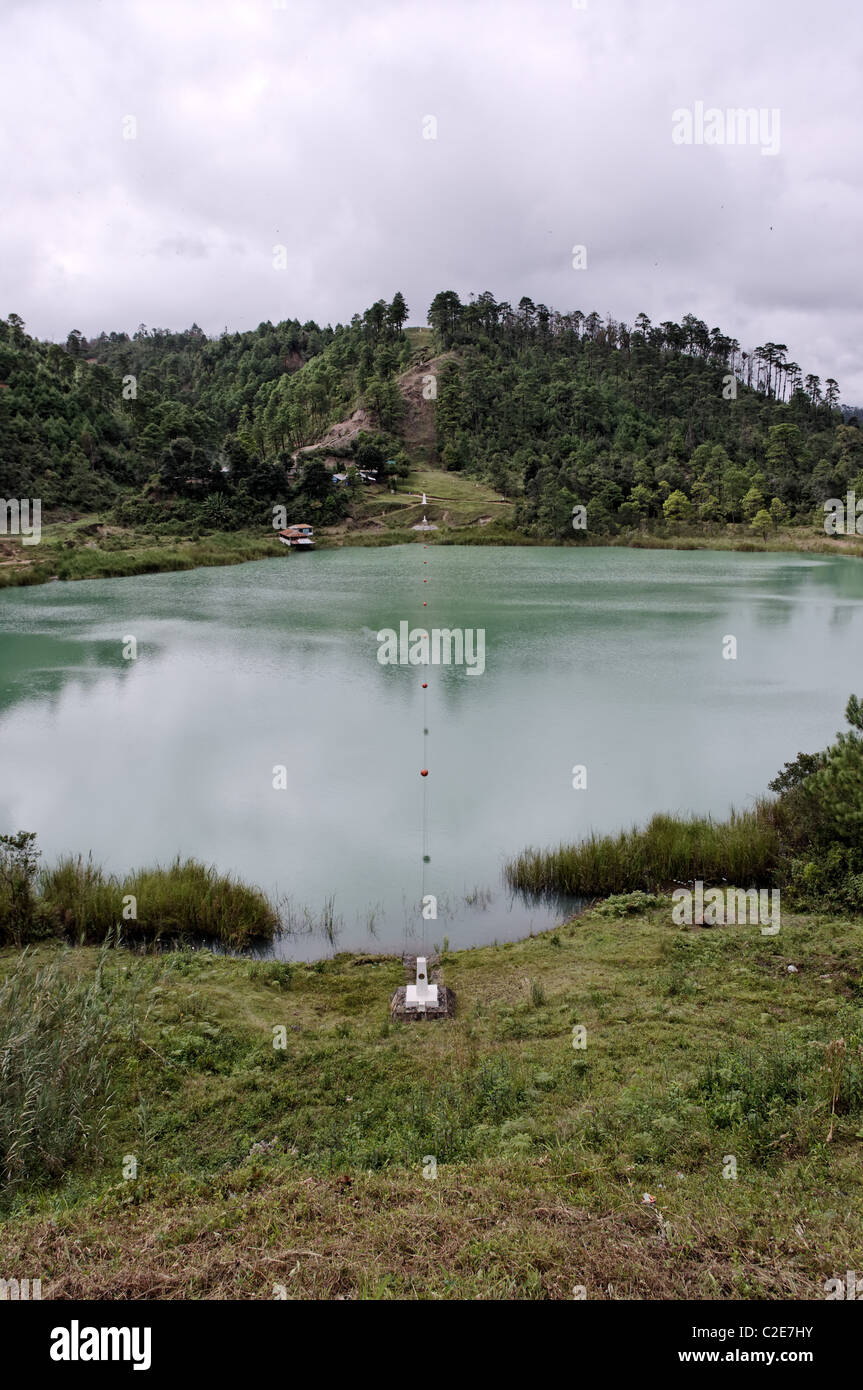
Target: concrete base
444,1008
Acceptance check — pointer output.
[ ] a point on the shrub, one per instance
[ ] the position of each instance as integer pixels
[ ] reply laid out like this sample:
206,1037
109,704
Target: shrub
627,904
278,973
832,882
18,905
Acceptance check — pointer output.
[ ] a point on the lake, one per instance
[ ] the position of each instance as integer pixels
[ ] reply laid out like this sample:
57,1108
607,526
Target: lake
607,658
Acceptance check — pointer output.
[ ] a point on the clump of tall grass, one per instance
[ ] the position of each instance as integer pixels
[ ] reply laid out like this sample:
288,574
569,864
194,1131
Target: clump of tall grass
186,899
54,1070
278,973
744,849
79,900
537,994
628,904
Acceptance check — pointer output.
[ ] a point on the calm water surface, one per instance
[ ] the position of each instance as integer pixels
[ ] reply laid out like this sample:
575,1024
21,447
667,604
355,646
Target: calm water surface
605,657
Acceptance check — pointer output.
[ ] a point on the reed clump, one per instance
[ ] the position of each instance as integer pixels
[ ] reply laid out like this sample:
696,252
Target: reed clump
56,1069
746,848
186,899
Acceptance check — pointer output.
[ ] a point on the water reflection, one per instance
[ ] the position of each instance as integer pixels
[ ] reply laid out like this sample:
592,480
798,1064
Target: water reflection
607,658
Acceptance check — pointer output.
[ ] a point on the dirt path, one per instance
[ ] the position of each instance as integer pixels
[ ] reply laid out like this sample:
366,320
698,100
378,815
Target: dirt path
433,497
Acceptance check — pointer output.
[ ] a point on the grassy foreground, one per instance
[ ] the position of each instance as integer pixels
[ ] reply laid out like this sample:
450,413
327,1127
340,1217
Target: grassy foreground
298,1170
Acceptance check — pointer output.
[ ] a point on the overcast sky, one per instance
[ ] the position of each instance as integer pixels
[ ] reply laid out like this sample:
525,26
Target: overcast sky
304,126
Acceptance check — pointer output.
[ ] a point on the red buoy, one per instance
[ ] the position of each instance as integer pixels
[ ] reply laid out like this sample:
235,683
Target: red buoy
425,772
425,685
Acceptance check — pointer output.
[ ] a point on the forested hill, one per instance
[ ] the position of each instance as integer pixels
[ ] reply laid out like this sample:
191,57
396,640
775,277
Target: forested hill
669,423
674,421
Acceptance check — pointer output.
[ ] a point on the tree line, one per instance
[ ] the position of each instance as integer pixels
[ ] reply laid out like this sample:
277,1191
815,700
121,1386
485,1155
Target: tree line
643,425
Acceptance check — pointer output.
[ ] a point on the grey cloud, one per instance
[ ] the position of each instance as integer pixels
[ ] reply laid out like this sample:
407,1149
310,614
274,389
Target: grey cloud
304,127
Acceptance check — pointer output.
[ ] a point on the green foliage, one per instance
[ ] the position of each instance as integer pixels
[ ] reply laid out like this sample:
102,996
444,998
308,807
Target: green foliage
631,422
796,773
830,882
677,507
743,849
758,1097
554,409
820,813
627,904
54,1032
18,871
821,797
809,841
185,900
278,973
218,420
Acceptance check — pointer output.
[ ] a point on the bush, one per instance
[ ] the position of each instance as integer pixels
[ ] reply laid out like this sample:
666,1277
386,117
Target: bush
836,789
19,909
831,883
627,904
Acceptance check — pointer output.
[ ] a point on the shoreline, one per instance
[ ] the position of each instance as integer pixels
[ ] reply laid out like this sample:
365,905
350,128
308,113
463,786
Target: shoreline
232,548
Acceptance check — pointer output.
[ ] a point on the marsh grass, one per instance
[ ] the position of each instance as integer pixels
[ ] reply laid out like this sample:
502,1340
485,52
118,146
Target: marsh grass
744,849
297,919
131,554
55,1071
480,898
185,900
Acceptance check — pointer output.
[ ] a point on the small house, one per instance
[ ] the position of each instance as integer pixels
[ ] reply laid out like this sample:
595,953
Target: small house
299,537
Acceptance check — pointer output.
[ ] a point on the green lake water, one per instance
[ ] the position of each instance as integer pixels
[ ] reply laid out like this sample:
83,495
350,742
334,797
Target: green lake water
609,658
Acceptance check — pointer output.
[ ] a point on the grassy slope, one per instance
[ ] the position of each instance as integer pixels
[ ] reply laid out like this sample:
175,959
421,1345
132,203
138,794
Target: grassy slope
544,1152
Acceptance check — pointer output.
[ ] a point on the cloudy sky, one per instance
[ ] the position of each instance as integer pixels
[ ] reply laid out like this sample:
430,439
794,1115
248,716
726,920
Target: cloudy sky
306,125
